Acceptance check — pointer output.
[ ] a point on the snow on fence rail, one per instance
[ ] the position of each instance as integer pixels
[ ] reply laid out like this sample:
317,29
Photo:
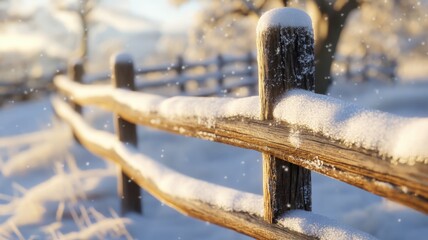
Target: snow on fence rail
220,205
296,130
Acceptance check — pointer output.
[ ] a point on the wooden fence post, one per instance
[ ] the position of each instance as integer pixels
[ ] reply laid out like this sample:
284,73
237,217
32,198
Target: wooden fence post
179,69
348,68
250,67
250,62
123,77
75,73
220,65
285,48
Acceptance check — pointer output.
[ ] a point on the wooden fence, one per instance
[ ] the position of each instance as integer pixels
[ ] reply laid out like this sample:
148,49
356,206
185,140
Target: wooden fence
216,76
24,89
221,75
285,61
375,67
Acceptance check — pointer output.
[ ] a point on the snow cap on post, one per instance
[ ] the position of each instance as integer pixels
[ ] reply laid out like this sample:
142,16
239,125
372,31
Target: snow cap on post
121,57
284,17
122,68
285,47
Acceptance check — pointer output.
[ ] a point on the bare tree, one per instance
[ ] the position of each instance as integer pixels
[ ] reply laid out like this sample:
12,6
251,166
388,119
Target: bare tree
332,16
329,20
83,9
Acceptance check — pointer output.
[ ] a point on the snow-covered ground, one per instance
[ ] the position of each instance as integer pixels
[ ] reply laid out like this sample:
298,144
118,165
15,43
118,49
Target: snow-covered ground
50,187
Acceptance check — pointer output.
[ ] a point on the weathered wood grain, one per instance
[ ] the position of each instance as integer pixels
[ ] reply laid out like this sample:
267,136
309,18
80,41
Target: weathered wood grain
364,168
242,222
280,52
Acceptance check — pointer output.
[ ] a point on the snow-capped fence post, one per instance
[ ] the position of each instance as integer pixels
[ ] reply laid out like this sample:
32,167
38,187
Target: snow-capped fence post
179,70
123,77
220,77
285,61
75,73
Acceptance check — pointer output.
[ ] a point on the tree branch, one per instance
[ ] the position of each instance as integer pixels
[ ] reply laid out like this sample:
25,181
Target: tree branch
349,6
248,9
85,7
324,7
285,2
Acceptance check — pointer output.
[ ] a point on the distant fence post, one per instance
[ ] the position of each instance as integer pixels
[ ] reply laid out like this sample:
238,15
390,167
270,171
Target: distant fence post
285,61
179,70
250,61
348,68
250,68
123,77
220,77
75,73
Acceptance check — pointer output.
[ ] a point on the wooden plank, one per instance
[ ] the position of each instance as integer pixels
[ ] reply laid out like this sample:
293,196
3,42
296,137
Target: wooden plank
165,68
364,168
179,69
242,222
228,59
123,77
200,78
280,49
168,67
181,79
359,167
251,72
153,69
220,77
75,73
203,63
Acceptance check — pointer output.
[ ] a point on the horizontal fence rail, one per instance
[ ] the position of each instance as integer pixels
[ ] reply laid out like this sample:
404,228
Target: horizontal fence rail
245,221
243,77
364,168
241,211
278,123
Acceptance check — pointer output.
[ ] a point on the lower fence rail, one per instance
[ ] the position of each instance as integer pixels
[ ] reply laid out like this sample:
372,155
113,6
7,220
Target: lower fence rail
247,220
364,168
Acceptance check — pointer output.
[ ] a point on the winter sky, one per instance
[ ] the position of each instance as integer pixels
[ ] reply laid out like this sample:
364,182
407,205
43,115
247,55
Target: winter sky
170,16
163,11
